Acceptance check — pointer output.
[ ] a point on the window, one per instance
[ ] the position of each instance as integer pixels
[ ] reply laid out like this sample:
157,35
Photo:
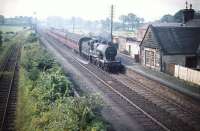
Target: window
129,49
157,59
191,62
149,58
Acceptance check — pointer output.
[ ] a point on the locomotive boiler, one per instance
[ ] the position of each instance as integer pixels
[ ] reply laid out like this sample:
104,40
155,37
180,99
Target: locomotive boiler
100,52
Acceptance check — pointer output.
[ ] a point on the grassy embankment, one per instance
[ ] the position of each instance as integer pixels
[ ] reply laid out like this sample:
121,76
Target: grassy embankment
45,96
10,37
5,28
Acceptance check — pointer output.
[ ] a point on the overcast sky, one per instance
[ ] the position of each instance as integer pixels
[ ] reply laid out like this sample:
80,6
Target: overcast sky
93,9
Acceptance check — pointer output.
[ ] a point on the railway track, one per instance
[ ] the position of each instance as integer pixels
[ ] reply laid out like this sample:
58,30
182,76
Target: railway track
160,112
185,113
8,89
177,98
151,116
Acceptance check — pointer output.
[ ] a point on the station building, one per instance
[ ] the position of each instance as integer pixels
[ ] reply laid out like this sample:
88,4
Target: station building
170,44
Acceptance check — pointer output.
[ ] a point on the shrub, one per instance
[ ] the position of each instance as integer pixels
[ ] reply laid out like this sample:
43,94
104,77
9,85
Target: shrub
33,74
6,39
1,38
36,57
32,37
48,103
45,62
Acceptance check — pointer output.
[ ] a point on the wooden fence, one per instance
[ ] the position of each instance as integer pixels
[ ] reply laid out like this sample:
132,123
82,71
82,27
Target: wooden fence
187,74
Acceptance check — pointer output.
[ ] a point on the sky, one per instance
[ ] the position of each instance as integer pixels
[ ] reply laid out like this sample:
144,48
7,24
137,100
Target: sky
150,10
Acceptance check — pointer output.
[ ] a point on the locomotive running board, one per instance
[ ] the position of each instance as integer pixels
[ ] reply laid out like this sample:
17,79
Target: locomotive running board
82,61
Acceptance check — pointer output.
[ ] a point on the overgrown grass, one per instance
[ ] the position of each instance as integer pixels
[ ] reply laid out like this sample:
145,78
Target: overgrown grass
7,45
45,96
9,39
5,28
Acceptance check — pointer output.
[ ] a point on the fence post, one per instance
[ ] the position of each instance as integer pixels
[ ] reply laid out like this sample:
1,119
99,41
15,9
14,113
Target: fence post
187,78
178,70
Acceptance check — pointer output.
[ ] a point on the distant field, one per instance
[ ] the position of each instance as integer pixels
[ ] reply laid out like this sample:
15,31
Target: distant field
125,33
11,28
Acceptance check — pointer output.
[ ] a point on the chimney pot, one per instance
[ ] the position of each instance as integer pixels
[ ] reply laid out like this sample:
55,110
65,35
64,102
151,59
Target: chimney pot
186,5
190,6
188,14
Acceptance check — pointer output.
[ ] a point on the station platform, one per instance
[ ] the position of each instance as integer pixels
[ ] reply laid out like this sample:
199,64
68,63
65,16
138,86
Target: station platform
167,80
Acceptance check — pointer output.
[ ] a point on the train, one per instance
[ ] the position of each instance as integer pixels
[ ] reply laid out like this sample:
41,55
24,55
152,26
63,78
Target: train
96,50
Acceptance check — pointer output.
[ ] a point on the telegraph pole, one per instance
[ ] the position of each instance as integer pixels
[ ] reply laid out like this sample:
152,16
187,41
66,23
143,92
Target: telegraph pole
111,24
73,20
35,21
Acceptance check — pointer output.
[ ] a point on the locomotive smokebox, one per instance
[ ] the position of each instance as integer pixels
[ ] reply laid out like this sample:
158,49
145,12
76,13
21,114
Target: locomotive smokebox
109,52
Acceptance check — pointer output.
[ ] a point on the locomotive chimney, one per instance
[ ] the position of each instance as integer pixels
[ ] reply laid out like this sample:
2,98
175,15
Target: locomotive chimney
188,14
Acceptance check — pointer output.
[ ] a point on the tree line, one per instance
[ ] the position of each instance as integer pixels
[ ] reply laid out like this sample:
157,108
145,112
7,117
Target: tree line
128,22
18,20
177,17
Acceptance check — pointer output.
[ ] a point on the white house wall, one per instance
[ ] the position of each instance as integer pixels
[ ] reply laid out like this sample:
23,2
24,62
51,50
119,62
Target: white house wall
134,48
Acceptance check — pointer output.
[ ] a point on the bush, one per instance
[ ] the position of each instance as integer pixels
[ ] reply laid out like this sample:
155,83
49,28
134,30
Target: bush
10,32
45,99
33,74
6,39
36,57
45,62
32,37
1,38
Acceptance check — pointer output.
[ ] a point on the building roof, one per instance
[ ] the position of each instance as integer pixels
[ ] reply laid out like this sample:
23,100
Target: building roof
167,24
177,40
198,50
193,23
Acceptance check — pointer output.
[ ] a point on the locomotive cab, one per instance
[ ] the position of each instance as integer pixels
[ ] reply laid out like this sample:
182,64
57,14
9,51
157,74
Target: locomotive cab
82,42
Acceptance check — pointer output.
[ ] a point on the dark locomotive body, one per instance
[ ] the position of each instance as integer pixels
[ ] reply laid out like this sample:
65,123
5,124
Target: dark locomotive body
100,53
96,50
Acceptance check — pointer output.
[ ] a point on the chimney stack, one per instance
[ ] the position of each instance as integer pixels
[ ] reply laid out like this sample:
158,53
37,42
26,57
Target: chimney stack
188,13
190,6
186,5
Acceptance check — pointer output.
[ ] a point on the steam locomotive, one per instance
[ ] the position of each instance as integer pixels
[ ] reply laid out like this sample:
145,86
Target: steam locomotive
97,50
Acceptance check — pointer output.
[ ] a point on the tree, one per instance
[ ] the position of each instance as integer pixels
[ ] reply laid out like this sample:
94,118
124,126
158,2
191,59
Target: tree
139,21
123,19
132,20
106,24
1,19
167,18
178,17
